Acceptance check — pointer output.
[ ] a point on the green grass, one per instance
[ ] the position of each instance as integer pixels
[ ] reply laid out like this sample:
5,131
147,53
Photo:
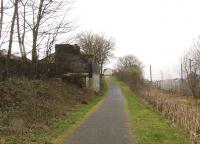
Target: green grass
148,126
48,135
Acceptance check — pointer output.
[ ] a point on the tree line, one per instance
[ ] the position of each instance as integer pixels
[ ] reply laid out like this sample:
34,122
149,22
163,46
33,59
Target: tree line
191,68
32,27
130,70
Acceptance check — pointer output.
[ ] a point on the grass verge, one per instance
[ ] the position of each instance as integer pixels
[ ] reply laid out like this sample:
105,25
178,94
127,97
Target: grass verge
148,126
58,130
67,127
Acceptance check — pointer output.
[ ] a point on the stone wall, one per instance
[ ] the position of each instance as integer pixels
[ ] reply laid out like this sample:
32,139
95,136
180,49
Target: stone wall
68,59
95,77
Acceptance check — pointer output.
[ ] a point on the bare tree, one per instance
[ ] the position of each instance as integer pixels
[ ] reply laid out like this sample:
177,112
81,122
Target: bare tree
21,48
35,29
191,65
59,29
130,70
98,46
46,24
23,15
128,61
1,18
5,22
39,25
11,38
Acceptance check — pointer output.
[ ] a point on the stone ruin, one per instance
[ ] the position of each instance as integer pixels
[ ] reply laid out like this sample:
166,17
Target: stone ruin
67,62
76,67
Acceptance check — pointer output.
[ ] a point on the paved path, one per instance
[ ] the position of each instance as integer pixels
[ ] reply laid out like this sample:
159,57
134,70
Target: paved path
108,124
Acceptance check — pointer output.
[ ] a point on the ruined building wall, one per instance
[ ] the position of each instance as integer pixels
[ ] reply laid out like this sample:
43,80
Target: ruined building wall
68,59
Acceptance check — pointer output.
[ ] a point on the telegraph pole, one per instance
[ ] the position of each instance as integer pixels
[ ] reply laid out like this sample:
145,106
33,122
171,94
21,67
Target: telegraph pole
150,74
181,86
181,72
161,74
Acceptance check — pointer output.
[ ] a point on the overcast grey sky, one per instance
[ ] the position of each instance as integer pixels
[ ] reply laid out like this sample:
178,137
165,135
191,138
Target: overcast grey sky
156,31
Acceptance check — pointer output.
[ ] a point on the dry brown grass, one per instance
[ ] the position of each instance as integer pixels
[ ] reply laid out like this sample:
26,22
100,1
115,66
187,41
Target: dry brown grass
182,111
35,104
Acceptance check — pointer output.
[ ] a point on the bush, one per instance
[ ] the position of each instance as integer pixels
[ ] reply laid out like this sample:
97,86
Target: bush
129,70
133,77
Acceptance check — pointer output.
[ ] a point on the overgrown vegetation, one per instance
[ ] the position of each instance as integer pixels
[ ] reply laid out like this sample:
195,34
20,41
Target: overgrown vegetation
129,70
149,126
183,115
181,110
191,69
98,46
35,111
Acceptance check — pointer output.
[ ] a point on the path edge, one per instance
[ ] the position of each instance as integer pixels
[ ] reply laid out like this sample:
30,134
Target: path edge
69,132
129,125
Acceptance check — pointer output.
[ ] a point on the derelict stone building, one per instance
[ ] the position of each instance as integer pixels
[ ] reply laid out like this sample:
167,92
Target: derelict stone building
68,59
76,67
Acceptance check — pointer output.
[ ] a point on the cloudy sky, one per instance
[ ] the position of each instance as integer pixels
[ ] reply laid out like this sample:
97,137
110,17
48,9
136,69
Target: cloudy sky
158,32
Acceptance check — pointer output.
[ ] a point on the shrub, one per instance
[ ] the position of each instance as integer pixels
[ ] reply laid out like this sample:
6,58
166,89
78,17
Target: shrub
129,70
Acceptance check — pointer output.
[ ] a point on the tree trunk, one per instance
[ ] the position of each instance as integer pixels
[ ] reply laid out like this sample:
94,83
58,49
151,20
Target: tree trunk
101,70
34,56
5,75
35,36
1,19
19,35
24,31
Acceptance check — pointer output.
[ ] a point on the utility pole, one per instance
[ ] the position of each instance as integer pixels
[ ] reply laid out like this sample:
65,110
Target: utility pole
181,85
181,72
161,74
150,75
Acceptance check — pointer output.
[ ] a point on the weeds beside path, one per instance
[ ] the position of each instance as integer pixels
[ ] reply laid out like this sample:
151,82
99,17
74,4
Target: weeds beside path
148,126
64,128
64,103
